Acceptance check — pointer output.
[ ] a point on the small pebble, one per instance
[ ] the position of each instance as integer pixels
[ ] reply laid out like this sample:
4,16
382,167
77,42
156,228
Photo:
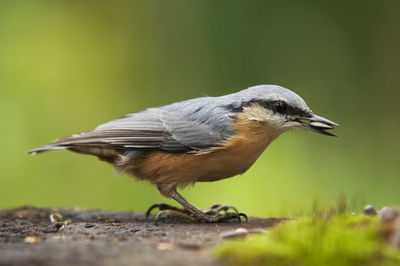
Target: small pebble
240,232
369,210
55,218
32,240
89,225
164,246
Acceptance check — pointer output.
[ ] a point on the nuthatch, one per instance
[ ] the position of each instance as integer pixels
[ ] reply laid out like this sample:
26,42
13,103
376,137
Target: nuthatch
198,140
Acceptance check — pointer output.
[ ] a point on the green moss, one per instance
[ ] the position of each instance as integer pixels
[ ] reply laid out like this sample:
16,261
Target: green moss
340,240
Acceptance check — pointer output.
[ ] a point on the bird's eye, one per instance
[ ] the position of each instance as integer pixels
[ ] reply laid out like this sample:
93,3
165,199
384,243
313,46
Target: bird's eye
281,107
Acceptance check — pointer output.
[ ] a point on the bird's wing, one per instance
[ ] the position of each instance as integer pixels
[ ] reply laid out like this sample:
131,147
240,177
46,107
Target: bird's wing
189,131
153,129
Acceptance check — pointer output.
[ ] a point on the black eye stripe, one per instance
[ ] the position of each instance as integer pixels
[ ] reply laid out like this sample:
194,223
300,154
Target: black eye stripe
280,107
275,106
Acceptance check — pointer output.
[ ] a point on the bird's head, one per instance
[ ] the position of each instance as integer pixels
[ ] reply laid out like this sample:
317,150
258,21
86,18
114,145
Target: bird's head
280,108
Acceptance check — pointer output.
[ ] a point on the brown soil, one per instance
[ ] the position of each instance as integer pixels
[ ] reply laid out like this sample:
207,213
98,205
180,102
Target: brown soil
93,237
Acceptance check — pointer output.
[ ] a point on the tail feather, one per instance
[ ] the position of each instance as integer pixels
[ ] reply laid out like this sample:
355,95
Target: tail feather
103,141
83,139
44,148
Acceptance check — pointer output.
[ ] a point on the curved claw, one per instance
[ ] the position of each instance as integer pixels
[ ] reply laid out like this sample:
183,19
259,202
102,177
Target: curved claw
214,206
243,215
160,216
227,208
161,207
152,207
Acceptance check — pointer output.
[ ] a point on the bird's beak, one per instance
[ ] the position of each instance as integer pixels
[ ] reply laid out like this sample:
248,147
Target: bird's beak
317,124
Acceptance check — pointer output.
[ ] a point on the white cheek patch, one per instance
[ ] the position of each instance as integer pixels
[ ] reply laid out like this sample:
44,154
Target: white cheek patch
275,120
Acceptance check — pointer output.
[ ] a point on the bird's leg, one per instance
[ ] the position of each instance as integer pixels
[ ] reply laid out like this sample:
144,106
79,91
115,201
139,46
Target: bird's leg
168,191
190,212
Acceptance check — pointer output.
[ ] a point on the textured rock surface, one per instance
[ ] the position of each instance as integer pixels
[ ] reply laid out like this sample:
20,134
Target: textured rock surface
33,236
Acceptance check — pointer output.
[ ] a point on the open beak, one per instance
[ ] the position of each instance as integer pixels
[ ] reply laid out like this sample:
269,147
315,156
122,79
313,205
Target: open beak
317,124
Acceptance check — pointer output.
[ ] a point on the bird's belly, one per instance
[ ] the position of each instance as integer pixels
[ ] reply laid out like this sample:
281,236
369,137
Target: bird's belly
235,157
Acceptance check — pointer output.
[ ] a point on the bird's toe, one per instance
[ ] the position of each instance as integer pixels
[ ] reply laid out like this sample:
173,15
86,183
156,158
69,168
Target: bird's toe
163,207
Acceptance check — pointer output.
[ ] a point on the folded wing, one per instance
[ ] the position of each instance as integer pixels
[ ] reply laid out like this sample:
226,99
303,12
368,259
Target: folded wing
162,129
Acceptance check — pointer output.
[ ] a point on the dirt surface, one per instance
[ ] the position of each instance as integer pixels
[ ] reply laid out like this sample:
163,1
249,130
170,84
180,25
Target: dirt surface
33,236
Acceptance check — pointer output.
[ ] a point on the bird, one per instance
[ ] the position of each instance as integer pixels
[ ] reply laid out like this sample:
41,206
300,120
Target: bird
203,139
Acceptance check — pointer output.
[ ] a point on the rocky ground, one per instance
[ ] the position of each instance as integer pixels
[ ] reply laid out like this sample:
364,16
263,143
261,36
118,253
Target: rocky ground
33,236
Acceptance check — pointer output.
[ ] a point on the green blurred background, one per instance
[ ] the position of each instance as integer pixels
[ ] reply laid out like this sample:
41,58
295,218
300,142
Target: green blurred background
67,66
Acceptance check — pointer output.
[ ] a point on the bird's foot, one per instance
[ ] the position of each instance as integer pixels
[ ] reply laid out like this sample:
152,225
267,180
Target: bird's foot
210,215
165,207
215,215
